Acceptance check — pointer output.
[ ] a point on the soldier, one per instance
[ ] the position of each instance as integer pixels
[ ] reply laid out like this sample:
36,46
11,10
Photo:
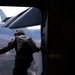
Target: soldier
24,53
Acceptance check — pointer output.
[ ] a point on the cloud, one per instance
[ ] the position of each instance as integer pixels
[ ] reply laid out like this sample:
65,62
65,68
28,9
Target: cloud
35,27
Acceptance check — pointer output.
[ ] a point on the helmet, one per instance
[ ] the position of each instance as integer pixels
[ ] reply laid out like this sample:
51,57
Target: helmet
19,32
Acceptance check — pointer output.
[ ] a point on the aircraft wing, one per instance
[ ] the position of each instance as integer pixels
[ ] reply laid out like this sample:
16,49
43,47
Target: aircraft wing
29,17
7,21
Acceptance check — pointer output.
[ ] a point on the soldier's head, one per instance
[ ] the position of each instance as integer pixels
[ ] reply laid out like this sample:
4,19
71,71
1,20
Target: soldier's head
19,32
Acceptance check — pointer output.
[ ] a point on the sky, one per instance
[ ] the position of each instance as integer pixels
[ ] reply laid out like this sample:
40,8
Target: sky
13,11
6,34
30,31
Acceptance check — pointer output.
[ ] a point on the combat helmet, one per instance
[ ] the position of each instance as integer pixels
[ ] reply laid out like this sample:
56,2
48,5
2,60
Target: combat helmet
19,32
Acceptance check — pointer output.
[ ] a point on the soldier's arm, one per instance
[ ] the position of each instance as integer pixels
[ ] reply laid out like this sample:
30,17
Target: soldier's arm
34,45
10,46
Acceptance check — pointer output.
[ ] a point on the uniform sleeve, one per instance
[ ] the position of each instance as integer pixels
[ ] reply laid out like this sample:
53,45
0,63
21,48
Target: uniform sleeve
10,46
33,44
